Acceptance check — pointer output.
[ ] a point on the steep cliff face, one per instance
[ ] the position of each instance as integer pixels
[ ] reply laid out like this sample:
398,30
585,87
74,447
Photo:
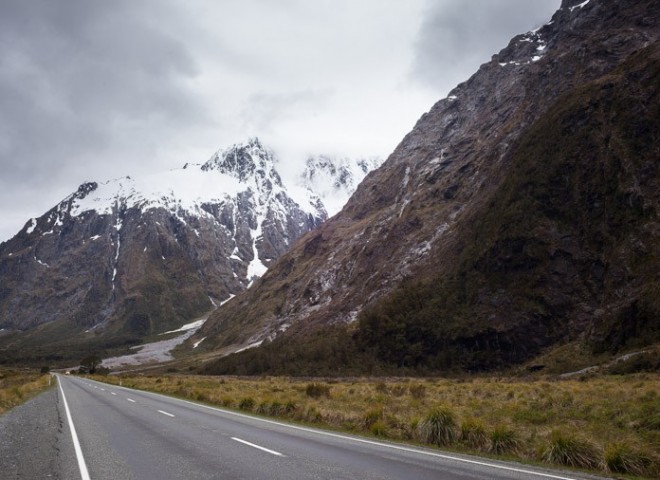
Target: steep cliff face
419,214
133,257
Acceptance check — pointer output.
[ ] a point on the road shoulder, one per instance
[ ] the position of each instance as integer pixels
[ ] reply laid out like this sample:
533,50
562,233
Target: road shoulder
35,441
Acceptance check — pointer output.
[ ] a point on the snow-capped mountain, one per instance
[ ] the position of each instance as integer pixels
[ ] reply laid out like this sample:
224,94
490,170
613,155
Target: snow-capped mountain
135,256
334,179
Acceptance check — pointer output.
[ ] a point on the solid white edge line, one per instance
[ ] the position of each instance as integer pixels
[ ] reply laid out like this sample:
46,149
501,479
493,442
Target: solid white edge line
264,449
362,440
165,413
84,474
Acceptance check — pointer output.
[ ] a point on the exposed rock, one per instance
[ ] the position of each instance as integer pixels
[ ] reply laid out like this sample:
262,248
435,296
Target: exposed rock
416,215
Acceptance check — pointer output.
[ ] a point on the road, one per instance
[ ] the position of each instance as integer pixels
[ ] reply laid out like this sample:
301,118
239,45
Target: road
120,433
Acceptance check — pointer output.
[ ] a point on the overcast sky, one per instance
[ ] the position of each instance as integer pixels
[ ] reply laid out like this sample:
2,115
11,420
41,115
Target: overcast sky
93,90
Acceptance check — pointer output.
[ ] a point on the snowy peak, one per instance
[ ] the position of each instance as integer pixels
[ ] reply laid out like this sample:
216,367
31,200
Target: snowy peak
245,161
334,179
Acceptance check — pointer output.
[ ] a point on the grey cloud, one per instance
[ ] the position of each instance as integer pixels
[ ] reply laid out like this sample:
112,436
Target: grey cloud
79,79
263,110
457,36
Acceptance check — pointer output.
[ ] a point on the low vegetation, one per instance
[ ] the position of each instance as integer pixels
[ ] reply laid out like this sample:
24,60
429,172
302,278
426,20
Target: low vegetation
607,424
17,386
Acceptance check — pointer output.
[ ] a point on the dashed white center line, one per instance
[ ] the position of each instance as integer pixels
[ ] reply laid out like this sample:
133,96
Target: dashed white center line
263,449
165,413
113,393
103,389
130,400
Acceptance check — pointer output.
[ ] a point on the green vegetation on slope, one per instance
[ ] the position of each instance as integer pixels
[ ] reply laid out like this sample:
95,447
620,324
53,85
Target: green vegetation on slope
567,245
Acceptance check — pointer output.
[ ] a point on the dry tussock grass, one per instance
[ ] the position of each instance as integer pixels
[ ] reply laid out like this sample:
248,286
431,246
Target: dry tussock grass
18,386
533,420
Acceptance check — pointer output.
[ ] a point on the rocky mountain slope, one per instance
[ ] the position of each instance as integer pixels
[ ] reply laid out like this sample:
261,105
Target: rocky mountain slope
117,261
521,211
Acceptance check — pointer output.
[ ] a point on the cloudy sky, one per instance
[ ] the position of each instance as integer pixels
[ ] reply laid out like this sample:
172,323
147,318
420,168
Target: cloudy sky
95,89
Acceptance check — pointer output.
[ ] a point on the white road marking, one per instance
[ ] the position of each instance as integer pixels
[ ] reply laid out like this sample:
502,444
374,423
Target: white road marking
102,389
84,474
130,400
264,449
165,413
369,442
113,393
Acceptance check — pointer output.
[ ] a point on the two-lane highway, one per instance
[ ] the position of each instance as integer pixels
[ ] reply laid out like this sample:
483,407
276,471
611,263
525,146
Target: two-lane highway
128,434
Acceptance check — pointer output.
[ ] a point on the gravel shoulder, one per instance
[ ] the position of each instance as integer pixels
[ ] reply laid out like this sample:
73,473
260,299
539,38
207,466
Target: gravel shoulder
35,441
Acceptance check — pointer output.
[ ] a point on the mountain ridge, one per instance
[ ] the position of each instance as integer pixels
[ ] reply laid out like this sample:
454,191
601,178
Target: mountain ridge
408,218
131,257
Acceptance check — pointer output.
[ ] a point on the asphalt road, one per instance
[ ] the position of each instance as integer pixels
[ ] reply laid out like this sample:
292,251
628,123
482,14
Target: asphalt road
128,434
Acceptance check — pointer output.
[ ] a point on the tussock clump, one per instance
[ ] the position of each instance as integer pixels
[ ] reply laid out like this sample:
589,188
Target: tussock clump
504,440
317,390
378,429
622,458
246,403
572,451
371,417
473,434
439,427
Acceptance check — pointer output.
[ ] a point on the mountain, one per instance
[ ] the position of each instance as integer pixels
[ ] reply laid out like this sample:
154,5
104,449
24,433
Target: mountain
520,213
334,178
115,262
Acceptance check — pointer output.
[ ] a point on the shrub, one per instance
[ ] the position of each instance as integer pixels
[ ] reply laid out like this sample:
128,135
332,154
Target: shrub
503,440
317,390
473,434
263,408
276,408
246,403
439,427
290,407
621,458
572,451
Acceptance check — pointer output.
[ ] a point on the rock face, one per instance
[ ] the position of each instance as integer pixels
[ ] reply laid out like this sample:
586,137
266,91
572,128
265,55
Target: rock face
132,257
421,215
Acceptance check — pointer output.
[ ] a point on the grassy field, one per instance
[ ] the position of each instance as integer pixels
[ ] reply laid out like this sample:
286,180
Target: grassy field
19,385
604,424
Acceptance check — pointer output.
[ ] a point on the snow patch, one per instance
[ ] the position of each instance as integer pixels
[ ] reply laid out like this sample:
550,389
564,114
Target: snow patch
188,326
225,301
251,345
32,226
196,344
580,5
41,263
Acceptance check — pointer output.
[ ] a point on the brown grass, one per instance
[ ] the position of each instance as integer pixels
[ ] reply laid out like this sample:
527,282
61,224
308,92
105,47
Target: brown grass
495,416
18,386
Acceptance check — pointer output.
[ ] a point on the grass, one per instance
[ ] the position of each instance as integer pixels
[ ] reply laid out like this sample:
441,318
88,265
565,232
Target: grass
603,424
18,386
